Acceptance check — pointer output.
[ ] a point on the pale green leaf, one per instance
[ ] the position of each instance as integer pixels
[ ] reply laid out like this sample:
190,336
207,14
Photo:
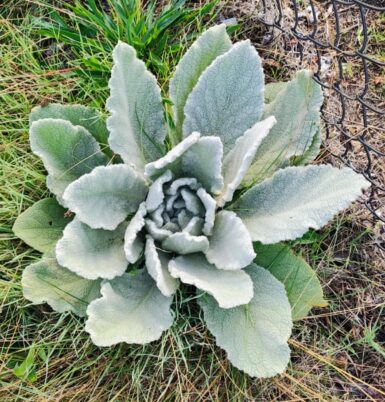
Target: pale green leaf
228,98
106,196
229,288
155,194
185,243
301,283
311,153
295,199
47,282
230,243
254,336
41,225
182,182
136,124
194,226
157,215
158,233
157,266
78,115
210,207
92,253
133,241
200,55
172,160
272,90
131,310
192,202
297,110
240,157
204,162
68,152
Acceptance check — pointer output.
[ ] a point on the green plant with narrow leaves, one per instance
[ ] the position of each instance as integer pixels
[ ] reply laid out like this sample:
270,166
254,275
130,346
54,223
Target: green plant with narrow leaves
90,28
142,208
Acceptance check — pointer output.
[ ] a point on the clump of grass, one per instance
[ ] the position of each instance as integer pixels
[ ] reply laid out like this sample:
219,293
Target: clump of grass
45,356
90,29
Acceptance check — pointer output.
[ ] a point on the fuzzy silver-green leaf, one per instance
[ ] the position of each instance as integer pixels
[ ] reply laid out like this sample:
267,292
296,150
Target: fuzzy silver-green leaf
132,309
255,335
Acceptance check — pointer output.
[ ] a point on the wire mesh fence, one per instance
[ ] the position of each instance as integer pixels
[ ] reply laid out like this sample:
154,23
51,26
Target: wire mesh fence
341,40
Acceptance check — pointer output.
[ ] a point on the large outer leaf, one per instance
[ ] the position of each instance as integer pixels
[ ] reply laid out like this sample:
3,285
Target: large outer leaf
240,157
47,282
311,153
229,288
254,336
273,89
228,98
41,225
78,115
92,253
105,197
230,246
297,110
136,125
301,283
68,152
200,55
131,309
295,199
204,162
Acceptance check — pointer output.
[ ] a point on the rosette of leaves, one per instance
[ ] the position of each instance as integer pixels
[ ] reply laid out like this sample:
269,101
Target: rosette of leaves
143,207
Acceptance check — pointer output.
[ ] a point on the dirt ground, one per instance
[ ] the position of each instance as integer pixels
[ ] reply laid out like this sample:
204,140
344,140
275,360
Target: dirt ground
353,133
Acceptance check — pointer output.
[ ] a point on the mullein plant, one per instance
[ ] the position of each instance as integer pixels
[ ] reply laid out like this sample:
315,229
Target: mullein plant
142,208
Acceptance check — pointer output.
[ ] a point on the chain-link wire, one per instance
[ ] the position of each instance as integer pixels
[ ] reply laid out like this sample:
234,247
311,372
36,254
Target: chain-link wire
337,35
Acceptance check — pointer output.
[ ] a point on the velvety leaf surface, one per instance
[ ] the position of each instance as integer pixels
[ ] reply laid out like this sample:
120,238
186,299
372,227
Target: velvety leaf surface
131,309
297,110
272,90
200,55
203,161
230,243
155,194
184,243
133,241
301,283
41,225
172,160
229,288
78,115
295,199
157,266
47,282
254,336
106,196
311,153
240,157
210,207
136,124
157,233
92,253
228,98
68,152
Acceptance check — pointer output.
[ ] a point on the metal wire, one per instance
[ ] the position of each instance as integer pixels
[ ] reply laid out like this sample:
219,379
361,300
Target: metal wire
307,32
